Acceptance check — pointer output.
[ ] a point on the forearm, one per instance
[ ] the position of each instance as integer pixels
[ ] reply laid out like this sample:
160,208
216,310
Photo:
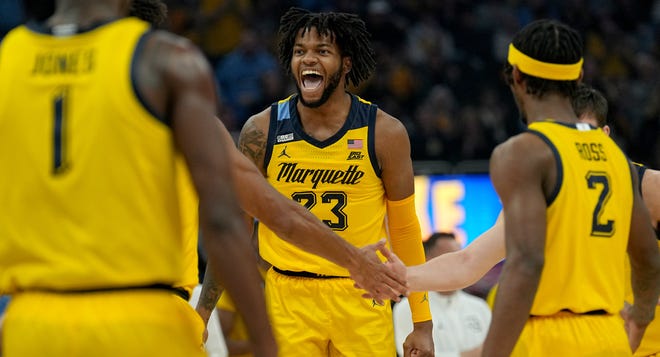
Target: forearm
646,286
406,241
233,264
458,270
515,296
259,199
209,295
300,226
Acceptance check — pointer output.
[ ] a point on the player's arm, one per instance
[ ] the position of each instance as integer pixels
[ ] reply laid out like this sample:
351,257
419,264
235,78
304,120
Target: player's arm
393,153
645,268
651,194
189,100
460,269
517,170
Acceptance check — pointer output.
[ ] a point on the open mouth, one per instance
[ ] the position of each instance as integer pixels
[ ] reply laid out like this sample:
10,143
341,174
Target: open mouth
311,80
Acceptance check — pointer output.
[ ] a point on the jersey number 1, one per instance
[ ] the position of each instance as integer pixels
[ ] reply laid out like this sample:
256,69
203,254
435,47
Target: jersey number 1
59,163
599,229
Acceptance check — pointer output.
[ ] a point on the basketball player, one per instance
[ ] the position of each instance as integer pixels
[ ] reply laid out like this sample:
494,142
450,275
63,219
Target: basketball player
349,163
257,197
103,123
551,180
468,265
543,90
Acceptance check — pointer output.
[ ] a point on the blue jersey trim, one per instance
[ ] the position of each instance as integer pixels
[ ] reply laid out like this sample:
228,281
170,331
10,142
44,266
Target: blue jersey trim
140,97
283,110
558,162
272,130
371,135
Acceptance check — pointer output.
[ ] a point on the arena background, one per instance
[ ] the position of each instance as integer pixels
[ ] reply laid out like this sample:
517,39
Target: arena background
438,71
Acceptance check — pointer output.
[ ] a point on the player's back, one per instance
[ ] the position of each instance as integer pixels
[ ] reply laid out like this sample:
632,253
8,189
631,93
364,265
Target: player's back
588,220
89,191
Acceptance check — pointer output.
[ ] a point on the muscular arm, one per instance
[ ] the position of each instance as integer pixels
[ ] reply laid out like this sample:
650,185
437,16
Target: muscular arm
460,269
645,266
651,195
393,152
182,87
517,170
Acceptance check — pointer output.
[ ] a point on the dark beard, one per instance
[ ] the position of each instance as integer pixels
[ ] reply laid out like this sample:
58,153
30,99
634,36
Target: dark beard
327,92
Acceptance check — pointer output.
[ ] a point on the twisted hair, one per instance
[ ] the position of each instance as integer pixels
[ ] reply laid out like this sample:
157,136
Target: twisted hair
590,100
151,11
347,30
552,42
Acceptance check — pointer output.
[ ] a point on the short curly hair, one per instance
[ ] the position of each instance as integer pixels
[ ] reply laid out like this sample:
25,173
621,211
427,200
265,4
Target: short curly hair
151,11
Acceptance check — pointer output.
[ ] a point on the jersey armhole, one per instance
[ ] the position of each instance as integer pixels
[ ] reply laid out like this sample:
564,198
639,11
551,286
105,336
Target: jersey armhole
371,139
558,163
272,126
138,94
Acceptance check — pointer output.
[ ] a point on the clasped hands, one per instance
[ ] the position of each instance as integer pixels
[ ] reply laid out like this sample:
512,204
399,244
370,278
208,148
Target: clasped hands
381,280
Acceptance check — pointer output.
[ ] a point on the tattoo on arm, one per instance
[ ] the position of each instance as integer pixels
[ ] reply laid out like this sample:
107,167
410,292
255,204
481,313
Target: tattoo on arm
210,293
252,143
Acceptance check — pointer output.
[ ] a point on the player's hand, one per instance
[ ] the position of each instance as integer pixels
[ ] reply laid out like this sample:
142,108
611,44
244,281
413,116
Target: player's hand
379,280
420,341
635,324
396,265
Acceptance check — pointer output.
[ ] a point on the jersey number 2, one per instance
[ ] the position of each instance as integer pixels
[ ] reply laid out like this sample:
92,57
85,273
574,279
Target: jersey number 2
601,179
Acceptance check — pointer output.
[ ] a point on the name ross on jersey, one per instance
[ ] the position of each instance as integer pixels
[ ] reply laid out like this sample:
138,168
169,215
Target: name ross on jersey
591,151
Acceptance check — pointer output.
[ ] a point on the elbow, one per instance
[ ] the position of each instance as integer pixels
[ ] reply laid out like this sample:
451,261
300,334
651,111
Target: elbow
530,265
535,267
222,223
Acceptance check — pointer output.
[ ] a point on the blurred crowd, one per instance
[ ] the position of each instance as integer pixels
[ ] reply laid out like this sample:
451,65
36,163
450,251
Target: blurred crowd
439,63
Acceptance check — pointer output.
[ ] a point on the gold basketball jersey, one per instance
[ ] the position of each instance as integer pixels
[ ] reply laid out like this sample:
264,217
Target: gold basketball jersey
90,188
336,179
588,221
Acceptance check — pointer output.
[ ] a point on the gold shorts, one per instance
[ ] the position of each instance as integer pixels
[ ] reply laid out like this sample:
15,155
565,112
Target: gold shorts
118,323
327,317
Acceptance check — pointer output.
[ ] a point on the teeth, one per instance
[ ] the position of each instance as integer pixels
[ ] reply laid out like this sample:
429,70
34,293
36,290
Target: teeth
306,72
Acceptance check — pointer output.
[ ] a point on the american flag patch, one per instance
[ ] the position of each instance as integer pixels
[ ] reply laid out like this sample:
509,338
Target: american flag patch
355,143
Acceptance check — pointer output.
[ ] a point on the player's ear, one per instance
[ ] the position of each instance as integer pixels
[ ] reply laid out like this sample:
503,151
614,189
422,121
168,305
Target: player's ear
348,64
607,130
581,75
516,75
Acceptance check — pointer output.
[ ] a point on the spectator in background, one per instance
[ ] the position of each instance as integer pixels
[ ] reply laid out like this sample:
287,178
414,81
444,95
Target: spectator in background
460,319
249,79
219,25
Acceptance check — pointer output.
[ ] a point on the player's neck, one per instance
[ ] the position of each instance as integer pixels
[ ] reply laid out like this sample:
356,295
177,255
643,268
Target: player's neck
331,114
85,13
552,106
